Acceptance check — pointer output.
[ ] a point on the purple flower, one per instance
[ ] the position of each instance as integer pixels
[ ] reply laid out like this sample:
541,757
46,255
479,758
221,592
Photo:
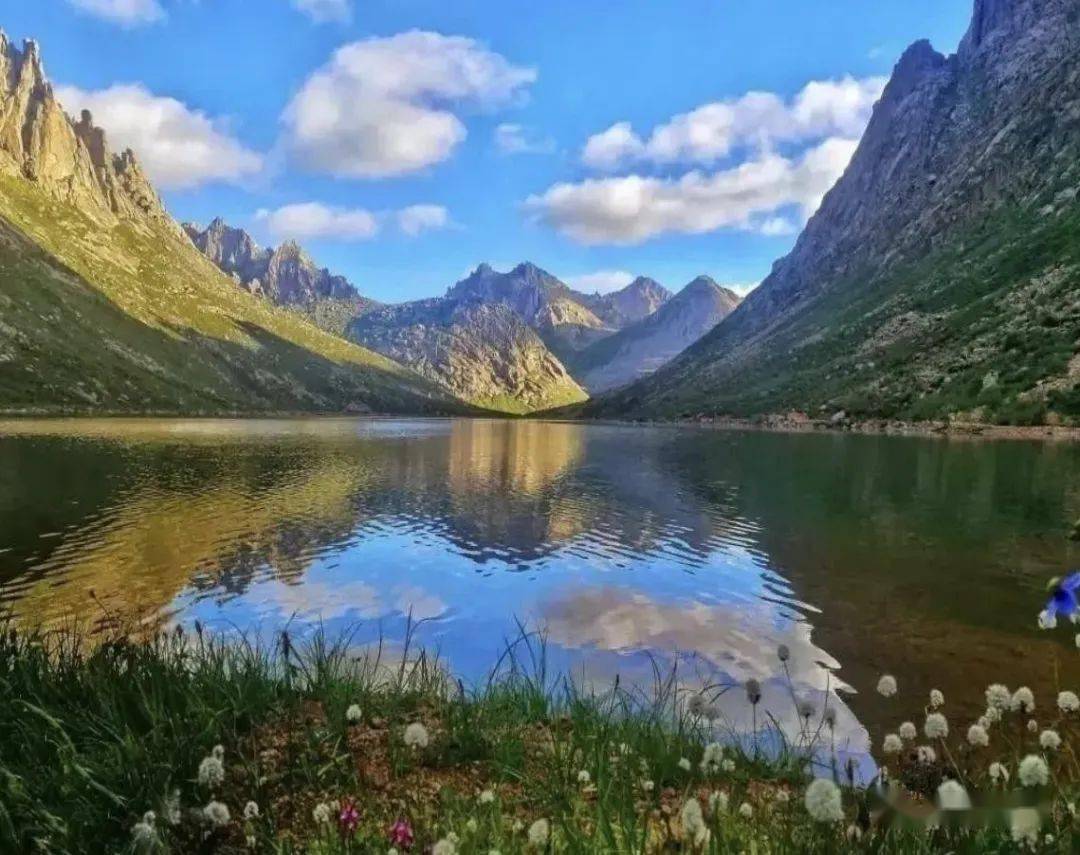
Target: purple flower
1063,596
401,834
349,818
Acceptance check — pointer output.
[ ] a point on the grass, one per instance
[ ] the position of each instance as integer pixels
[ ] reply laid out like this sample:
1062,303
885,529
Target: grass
94,733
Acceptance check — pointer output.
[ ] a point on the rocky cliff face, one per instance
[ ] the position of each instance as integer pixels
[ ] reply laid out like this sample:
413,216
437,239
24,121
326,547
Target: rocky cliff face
483,352
628,305
641,348
287,276
942,259
68,159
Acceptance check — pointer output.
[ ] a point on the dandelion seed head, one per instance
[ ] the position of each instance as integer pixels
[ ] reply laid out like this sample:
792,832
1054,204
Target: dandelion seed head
937,699
693,823
728,765
1023,700
416,735
713,757
753,691
696,705
977,736
745,810
1068,702
1047,619
1032,726
1050,740
998,697
1033,771
892,744
951,795
211,770
925,755
487,797
823,801
936,726
172,808
354,714
584,777
999,773
886,686
321,813
251,811
539,833
718,802
143,835
216,814
908,731
993,714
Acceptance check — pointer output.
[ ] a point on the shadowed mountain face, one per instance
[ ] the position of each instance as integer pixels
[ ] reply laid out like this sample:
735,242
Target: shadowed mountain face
939,275
628,305
105,305
641,348
286,276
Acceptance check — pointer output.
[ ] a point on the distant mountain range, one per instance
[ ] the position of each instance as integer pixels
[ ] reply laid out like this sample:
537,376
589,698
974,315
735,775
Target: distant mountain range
941,275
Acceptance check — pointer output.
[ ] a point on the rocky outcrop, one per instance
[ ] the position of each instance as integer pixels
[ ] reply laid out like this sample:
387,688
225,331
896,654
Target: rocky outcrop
628,305
643,347
483,352
959,213
287,276
69,159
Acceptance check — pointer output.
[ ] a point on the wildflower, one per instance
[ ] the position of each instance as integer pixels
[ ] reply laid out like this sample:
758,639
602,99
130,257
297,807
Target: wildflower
1046,620
693,824
952,796
892,744
753,691
783,653
886,686
908,731
416,736
1068,702
143,835
446,846
993,714
647,786
696,705
348,817
718,802
937,699
251,811
936,726
212,768
830,717
1050,740
728,765
321,813
472,826
1032,726
925,755
583,777
713,757
983,722
978,736
998,697
1024,824
401,834
353,714
1033,771
807,709
539,833
1022,700
712,712
745,811
684,764
216,814
1063,599
172,808
999,773
487,797
823,801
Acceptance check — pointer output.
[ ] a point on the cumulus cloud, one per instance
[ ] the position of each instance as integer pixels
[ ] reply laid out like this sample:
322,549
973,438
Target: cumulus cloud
421,218
127,13
389,106
600,281
711,132
307,220
511,138
633,208
179,147
322,11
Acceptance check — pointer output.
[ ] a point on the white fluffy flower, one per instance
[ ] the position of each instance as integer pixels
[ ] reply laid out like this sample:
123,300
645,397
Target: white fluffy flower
251,811
936,726
1047,619
696,705
937,699
539,833
216,814
1050,740
212,771
718,802
978,736
143,835
728,765
998,697
745,811
908,731
353,714
648,786
1077,639
172,808
321,813
487,797
893,744
1068,702
1023,700
999,773
1024,824
992,715
1033,771
886,686
583,777
713,757
952,796
693,824
446,846
925,754
416,735
823,801
1033,726
684,764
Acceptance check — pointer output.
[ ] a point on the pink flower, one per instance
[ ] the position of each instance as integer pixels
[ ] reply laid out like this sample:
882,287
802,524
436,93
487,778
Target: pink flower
349,817
401,834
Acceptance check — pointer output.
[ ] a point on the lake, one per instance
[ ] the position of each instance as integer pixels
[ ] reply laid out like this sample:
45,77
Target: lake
628,546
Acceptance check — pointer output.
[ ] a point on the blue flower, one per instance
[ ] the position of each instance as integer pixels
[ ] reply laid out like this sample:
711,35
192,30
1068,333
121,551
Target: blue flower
1063,597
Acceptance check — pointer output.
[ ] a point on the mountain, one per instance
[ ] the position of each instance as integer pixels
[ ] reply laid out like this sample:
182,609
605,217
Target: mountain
105,305
940,275
628,305
641,348
286,276
483,352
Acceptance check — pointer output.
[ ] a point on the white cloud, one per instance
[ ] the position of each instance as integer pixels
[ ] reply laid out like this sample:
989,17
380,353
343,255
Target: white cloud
179,147
712,131
386,106
516,139
600,281
307,220
322,11
634,208
741,288
127,13
421,218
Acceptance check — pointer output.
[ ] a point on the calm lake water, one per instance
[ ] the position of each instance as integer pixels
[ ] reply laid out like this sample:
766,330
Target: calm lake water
628,545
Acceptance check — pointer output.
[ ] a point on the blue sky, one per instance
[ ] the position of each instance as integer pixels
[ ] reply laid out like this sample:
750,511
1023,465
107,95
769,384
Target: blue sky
587,137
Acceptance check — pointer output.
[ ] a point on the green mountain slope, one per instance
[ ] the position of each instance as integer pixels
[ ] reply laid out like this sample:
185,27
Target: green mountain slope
941,276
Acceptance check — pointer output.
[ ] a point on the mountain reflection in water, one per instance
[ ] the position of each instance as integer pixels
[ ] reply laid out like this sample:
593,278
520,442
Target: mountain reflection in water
627,545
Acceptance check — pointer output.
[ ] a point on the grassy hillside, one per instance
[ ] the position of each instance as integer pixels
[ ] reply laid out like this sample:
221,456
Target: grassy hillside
132,318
